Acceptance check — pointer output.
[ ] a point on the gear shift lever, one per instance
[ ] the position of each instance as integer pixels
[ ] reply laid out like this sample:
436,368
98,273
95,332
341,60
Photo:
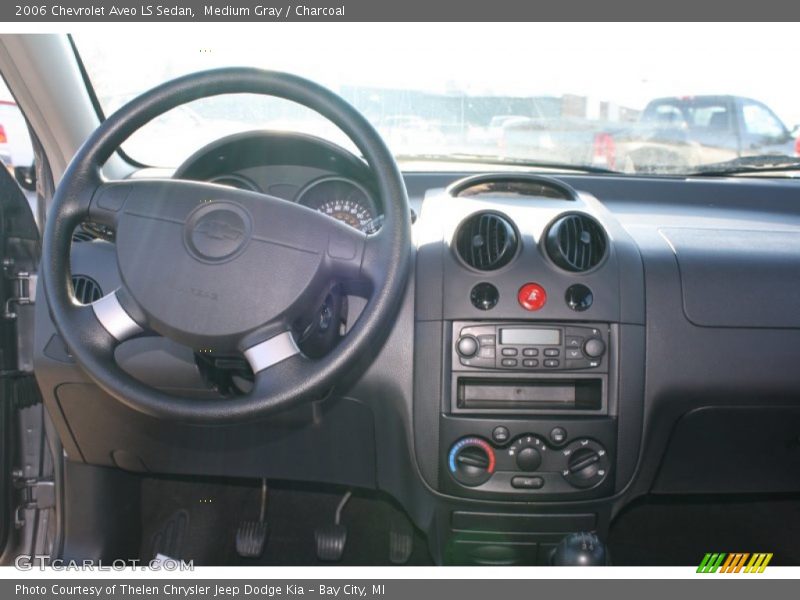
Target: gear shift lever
580,550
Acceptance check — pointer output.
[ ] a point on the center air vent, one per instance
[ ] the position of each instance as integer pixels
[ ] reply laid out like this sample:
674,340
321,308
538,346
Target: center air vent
86,289
486,241
576,242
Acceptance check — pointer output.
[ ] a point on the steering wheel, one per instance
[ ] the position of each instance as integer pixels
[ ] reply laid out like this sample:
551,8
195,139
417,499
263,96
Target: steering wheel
222,269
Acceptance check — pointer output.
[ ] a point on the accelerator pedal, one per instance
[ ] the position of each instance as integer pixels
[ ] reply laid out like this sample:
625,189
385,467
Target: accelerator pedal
401,539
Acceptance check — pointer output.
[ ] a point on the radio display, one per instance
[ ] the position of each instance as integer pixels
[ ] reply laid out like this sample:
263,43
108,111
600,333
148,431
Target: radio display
530,337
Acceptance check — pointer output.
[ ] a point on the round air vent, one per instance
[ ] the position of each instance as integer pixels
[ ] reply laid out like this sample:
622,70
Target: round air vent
576,242
486,241
86,289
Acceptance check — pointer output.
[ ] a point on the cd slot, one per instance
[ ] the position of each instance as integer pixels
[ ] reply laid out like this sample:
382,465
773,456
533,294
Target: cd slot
529,394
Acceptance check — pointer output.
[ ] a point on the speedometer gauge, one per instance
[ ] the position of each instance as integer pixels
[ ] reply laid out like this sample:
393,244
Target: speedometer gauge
344,200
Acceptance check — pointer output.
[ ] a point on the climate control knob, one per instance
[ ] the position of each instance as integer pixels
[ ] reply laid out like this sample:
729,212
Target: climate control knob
467,346
471,461
527,452
587,463
529,459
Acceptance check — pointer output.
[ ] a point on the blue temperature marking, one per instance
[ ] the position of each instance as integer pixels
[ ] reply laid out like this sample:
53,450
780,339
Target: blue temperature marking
456,447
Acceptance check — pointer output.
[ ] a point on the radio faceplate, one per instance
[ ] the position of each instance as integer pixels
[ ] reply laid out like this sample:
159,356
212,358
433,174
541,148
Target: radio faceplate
529,347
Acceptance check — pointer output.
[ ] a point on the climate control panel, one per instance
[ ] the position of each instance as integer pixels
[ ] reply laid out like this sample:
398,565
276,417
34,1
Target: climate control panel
541,458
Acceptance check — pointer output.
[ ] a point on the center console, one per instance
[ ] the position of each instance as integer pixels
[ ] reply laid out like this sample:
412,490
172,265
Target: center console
528,411
529,362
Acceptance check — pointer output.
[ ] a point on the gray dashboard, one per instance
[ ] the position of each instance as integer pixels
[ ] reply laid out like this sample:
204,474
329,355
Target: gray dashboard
699,301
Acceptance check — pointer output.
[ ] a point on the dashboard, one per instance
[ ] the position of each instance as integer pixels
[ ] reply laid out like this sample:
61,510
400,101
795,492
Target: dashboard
568,344
294,167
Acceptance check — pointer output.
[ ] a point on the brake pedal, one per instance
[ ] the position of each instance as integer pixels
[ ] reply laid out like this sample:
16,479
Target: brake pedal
332,539
401,539
252,535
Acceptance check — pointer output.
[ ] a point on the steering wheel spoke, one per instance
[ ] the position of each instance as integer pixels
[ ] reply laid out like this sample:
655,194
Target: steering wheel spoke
103,325
377,251
114,318
272,351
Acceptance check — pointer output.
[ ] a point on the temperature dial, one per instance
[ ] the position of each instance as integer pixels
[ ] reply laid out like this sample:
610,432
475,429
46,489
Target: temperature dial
471,461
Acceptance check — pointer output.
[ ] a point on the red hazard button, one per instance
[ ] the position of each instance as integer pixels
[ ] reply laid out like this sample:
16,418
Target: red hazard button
532,296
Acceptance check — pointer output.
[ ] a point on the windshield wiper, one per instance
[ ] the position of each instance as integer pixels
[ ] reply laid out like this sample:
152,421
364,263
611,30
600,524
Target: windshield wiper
498,160
762,163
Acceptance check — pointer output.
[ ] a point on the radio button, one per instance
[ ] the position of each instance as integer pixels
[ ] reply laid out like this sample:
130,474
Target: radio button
486,352
574,341
509,351
580,364
594,348
509,362
551,352
530,362
486,340
530,352
551,363
574,354
467,346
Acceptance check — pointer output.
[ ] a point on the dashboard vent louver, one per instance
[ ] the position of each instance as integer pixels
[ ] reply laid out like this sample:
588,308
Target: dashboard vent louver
83,235
86,289
576,242
486,241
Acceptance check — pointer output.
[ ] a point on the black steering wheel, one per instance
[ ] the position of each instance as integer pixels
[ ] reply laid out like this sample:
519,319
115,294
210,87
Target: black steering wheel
221,269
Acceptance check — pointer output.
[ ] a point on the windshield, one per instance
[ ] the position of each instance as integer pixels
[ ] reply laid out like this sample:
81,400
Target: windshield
633,98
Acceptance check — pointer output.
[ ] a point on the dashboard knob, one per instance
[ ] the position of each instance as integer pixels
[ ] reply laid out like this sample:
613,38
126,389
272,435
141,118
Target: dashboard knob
584,463
529,459
594,348
587,463
471,461
467,346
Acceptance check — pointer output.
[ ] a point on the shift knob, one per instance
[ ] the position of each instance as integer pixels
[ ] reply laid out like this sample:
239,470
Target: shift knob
580,550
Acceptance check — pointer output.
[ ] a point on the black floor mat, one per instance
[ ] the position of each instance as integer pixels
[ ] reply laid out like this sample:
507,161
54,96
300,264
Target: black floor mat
214,509
679,531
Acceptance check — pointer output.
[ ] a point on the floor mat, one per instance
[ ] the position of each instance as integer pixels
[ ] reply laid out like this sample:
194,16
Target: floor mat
679,531
214,508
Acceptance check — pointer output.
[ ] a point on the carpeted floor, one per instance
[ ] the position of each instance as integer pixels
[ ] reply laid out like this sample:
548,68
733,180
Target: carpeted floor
197,520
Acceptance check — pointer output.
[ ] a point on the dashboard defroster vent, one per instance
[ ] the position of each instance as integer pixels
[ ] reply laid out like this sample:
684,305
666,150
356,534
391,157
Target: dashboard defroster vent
486,241
576,242
86,289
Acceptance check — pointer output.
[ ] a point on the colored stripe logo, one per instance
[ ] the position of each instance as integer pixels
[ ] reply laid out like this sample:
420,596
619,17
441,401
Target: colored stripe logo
736,562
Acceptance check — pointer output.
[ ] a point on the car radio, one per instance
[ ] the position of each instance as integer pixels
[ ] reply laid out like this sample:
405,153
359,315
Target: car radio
526,347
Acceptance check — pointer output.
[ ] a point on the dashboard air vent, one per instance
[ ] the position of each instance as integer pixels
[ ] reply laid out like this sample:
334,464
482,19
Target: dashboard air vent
576,242
486,241
86,289
89,232
83,235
